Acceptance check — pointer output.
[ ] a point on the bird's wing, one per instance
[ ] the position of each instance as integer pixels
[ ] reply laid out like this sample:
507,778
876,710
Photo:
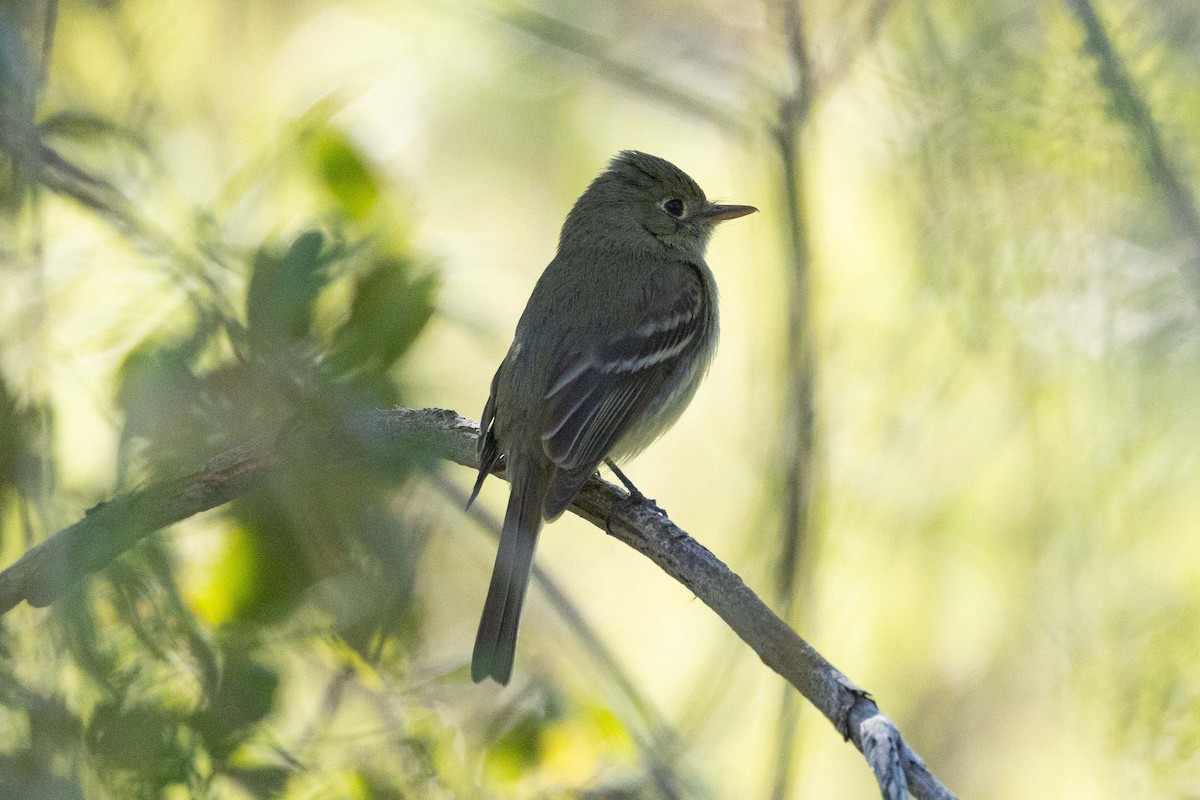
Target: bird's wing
595,397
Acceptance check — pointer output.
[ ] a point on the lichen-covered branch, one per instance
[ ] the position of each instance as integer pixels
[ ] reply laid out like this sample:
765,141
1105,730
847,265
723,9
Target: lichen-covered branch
59,564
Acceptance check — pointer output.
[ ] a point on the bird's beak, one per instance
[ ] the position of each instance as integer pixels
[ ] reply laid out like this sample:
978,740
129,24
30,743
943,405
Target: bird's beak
718,213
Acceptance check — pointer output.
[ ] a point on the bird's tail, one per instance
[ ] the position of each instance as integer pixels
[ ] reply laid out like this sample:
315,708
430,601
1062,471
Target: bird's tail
496,642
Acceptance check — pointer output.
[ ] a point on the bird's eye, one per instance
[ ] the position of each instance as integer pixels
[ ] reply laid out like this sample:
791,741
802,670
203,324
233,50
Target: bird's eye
673,206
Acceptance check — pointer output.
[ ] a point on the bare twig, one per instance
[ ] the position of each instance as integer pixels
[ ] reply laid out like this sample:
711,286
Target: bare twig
57,566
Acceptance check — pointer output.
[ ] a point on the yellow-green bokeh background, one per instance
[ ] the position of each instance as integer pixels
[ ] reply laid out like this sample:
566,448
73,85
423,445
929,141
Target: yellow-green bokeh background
1004,540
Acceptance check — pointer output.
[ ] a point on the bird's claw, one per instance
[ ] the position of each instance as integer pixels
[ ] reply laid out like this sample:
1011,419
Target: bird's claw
636,498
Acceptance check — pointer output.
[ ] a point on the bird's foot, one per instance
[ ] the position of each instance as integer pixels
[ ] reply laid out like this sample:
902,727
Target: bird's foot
635,497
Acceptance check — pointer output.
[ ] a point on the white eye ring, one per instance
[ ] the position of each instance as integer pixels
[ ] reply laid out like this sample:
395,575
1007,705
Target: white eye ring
673,206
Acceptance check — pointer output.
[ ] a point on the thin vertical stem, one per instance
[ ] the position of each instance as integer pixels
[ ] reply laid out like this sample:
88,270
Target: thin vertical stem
796,458
41,310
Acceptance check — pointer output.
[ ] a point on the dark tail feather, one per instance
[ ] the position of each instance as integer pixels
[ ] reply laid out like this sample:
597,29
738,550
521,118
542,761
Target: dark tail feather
496,642
485,445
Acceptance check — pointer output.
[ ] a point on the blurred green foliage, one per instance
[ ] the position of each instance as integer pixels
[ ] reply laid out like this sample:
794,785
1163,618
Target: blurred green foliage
151,693
256,677
223,221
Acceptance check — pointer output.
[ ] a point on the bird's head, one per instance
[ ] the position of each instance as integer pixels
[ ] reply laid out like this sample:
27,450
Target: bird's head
645,201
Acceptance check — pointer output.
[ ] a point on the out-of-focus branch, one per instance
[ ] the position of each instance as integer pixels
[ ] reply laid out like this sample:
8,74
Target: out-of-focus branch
59,564
575,40
48,28
56,566
1130,107
796,457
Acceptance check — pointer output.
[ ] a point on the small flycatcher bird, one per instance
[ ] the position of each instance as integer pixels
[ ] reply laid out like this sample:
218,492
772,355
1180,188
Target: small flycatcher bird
614,341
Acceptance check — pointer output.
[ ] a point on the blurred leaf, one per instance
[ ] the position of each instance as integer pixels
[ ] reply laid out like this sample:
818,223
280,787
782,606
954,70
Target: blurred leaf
83,126
344,174
391,307
51,724
283,290
377,786
245,695
139,739
264,566
20,461
519,750
261,781
522,746
608,727
158,370
232,589
19,778
78,635
365,606
160,395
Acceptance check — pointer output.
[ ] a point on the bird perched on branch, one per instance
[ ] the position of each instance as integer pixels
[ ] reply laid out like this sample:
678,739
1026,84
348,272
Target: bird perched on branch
614,341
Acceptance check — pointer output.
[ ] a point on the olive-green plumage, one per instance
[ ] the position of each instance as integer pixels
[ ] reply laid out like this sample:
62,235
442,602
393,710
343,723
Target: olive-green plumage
614,341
